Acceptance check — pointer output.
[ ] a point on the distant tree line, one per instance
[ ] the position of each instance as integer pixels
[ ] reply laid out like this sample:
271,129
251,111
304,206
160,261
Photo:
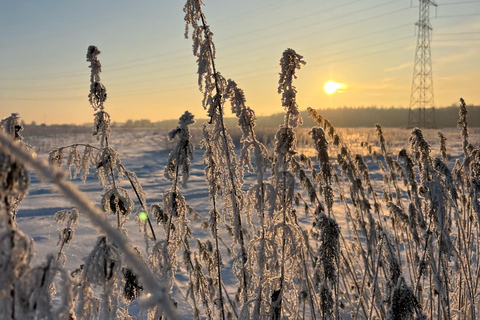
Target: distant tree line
391,117
142,123
347,117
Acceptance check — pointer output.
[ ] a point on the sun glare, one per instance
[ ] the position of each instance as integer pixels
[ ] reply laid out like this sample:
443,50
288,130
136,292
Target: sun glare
331,87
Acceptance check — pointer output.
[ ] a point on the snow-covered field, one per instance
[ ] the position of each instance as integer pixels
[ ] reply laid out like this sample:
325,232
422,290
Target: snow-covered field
145,152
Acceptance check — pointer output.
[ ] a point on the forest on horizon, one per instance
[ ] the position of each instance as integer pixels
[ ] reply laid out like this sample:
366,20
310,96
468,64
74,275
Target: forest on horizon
344,117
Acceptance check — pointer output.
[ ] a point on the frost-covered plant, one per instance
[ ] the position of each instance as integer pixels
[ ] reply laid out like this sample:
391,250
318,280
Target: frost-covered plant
174,202
289,63
326,269
70,220
285,137
182,154
12,126
212,176
289,235
403,303
327,264
463,125
443,147
104,159
421,151
97,96
157,297
204,50
354,170
26,292
325,176
173,216
260,199
116,200
410,182
14,178
103,268
422,258
37,291
16,254
16,249
213,86
390,173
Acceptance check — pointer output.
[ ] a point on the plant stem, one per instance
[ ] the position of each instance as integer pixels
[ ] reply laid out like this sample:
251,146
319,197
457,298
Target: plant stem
144,205
217,257
236,210
174,196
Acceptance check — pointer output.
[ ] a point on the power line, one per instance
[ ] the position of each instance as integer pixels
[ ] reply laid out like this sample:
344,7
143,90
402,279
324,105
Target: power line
259,72
188,74
457,40
259,11
458,15
122,65
305,26
323,63
457,3
111,70
250,40
77,98
456,33
358,56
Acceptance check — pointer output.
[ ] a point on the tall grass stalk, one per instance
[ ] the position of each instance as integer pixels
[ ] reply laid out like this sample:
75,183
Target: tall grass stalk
211,175
260,196
285,182
213,86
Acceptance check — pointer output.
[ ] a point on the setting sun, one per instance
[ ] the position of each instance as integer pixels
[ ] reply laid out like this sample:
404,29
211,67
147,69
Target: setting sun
331,87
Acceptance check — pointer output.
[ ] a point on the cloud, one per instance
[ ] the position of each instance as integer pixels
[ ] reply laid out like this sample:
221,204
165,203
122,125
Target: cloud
400,67
379,84
455,57
467,26
453,36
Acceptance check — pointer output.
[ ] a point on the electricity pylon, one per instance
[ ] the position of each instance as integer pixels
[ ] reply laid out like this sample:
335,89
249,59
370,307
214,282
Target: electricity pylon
422,110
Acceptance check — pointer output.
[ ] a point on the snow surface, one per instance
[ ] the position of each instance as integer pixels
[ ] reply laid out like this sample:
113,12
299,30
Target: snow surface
145,152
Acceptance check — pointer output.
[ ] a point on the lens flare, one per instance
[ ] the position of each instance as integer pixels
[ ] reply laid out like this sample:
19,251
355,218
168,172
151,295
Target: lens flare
331,87
143,216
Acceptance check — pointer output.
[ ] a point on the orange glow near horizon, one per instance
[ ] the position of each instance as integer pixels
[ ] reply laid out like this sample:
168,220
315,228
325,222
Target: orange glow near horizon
154,76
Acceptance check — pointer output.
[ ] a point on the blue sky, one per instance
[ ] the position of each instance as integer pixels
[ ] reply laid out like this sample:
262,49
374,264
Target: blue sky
149,70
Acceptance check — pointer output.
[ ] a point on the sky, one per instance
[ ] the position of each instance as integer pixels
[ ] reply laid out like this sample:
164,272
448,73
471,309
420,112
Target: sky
150,73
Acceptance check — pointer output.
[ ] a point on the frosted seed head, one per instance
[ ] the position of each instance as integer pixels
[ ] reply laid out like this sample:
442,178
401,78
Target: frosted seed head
92,53
12,126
